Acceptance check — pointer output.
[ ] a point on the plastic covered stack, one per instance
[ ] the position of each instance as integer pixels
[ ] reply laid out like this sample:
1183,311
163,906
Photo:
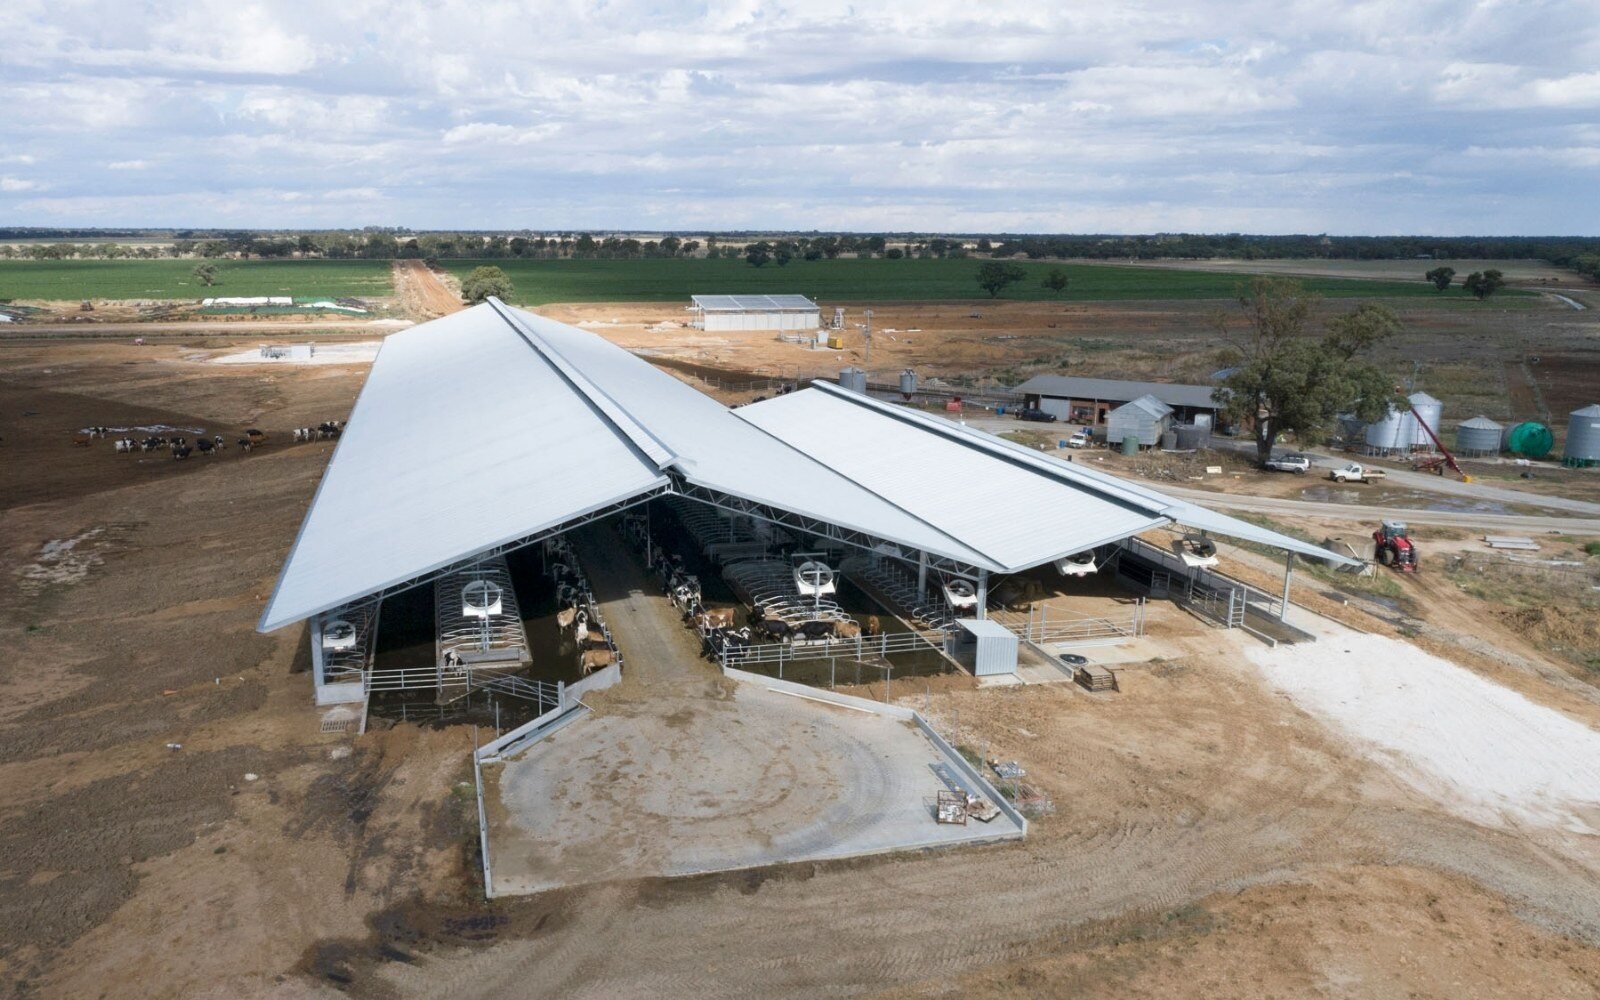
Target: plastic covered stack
1478,437
1583,437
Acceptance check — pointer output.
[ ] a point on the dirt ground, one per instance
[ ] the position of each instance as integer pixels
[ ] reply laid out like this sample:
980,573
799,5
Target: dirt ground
424,293
1209,838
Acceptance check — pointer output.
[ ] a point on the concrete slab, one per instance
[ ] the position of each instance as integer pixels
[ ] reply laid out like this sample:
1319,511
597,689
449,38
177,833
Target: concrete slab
686,786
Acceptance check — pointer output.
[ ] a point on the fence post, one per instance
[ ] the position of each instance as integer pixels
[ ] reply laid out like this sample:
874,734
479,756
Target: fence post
832,671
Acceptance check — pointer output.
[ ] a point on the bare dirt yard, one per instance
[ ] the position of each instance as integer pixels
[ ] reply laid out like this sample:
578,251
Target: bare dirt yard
1212,835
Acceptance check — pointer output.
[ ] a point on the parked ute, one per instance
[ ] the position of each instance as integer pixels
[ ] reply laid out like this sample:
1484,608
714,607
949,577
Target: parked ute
1036,415
1081,438
1355,472
1297,464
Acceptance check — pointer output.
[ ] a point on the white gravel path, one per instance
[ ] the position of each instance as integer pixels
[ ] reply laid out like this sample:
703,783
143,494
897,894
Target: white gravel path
361,352
1482,750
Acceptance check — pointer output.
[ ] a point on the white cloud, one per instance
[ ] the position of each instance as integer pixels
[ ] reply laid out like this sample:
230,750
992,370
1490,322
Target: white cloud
12,185
923,114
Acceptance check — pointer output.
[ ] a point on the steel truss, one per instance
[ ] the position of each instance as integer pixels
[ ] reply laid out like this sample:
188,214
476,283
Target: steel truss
872,544
813,526
501,549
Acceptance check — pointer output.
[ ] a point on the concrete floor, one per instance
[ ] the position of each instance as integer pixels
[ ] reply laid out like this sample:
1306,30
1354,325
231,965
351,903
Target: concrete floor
680,770
763,778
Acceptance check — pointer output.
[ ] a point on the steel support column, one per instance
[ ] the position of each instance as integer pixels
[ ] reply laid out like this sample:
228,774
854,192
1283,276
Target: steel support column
1288,577
983,593
318,668
922,576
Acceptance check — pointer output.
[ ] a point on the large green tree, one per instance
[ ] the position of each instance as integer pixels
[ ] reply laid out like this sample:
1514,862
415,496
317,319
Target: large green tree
1286,380
994,276
1440,276
1056,280
484,282
1483,284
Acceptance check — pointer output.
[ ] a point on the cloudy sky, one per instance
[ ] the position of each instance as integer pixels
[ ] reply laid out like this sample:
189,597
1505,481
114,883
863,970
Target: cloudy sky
934,115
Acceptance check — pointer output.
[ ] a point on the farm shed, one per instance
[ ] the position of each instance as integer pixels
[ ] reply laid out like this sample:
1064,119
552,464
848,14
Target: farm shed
986,646
1081,400
621,432
755,312
1144,419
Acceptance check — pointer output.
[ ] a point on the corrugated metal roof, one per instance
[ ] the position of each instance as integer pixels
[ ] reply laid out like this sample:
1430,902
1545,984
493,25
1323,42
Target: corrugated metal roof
459,441
754,303
1482,423
1112,390
1122,490
1150,405
1002,508
714,448
1592,410
494,424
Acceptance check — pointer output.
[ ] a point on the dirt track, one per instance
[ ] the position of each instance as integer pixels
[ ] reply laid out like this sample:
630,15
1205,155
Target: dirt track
423,293
1208,837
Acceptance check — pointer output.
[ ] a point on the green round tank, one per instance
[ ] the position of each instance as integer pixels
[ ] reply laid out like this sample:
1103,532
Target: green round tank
1530,439
1130,445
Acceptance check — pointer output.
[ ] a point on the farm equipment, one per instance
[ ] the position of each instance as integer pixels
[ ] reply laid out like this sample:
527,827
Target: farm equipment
1394,548
1438,463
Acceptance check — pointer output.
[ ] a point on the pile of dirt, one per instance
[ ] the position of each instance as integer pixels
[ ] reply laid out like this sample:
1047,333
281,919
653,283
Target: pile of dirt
1572,632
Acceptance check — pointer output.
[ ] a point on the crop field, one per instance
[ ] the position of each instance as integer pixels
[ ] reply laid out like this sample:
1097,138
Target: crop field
538,282
65,280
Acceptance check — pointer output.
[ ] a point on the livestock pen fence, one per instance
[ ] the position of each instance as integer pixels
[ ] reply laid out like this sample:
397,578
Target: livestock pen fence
831,662
1041,624
1207,593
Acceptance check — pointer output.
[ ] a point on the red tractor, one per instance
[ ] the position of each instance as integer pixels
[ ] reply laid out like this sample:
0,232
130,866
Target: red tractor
1394,548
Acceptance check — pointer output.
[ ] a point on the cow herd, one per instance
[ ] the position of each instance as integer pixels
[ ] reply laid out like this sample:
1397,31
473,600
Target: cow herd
181,446
717,626
576,609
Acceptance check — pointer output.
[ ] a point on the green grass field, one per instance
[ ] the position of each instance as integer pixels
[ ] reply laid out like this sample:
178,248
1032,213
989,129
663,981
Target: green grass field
667,280
174,279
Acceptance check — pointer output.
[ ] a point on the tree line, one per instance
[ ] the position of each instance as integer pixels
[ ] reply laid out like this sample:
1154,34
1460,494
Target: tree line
1581,254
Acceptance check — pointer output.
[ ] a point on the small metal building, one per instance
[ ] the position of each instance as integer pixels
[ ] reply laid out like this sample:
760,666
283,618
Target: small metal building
987,646
1583,436
755,312
1080,400
1478,437
1145,418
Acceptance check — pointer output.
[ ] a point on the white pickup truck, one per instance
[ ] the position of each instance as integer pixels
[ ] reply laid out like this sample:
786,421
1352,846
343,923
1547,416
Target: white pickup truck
1355,472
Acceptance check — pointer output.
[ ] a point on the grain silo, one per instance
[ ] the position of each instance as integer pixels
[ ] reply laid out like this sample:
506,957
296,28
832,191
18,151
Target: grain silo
1424,409
853,379
1392,433
1583,437
908,383
1478,437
